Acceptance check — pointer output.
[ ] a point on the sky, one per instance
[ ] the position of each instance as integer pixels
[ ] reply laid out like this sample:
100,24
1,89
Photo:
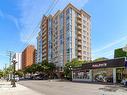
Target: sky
19,24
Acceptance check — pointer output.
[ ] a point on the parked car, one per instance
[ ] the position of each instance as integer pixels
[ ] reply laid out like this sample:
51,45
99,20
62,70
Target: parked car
124,82
16,79
38,77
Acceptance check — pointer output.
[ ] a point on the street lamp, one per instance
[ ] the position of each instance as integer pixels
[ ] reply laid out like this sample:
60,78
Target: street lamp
13,81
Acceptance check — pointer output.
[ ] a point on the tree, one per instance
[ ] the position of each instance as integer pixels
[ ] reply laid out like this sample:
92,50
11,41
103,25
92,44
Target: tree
28,70
119,53
70,65
47,69
19,73
1,74
100,59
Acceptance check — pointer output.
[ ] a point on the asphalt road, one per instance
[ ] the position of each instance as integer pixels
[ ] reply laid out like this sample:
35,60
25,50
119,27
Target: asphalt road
62,88
70,88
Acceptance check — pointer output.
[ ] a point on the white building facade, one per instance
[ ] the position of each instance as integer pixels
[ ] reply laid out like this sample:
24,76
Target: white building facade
18,57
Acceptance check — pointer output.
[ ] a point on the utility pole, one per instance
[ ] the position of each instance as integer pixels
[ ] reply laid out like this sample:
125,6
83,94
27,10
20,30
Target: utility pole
10,55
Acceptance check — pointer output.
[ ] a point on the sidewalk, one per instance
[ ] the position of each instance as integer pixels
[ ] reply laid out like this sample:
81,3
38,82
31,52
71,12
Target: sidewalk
6,89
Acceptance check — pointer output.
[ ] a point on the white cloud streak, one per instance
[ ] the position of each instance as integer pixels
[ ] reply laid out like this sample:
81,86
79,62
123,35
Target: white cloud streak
10,17
111,44
14,20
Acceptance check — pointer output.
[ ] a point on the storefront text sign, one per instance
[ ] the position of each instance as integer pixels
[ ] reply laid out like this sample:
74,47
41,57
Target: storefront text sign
99,65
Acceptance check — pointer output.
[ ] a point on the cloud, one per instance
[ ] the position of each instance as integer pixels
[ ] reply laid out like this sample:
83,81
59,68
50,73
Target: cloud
32,12
107,54
11,18
111,44
14,20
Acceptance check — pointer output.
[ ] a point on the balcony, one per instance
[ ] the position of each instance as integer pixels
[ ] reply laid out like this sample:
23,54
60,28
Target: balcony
79,37
79,54
79,22
44,34
44,46
80,58
44,37
79,33
44,43
79,17
79,43
79,27
79,48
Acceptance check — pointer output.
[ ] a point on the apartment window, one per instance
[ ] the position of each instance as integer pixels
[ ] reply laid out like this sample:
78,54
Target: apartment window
84,26
84,42
84,47
84,52
61,42
84,32
67,38
61,31
61,36
84,21
84,57
84,37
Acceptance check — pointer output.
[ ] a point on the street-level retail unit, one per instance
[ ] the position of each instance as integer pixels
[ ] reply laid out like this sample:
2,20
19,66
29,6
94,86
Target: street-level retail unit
113,70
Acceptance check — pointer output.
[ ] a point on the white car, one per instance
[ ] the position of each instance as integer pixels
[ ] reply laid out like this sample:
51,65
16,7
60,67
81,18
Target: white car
124,82
16,79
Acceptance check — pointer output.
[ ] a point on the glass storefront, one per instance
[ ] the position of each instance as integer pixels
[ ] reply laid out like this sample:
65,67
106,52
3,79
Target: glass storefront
112,71
121,73
103,75
85,74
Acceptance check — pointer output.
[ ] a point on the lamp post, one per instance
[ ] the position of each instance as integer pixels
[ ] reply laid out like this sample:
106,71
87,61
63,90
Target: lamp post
13,81
70,68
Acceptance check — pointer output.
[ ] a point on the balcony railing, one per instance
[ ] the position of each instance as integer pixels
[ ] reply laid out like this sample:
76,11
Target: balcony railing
79,17
79,22
79,54
79,48
79,27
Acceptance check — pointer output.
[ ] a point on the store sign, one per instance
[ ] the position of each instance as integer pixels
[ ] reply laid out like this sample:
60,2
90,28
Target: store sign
112,63
99,65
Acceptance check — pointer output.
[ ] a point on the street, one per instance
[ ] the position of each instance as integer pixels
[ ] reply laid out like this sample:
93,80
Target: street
72,88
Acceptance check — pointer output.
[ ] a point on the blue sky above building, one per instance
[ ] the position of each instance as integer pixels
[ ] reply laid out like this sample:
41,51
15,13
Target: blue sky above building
19,18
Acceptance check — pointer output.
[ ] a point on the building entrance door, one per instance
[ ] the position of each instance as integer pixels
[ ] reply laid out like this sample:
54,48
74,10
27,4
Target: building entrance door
119,74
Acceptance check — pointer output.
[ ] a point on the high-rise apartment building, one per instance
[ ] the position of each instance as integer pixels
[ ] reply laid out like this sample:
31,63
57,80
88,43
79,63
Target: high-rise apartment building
28,56
18,57
39,48
66,35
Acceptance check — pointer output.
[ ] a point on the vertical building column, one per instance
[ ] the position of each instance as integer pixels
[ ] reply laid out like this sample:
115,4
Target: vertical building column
114,75
72,74
91,75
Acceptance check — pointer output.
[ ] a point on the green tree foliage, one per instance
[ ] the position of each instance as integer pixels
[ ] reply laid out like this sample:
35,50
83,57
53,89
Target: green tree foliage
70,65
7,71
1,73
100,59
19,73
43,67
119,53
